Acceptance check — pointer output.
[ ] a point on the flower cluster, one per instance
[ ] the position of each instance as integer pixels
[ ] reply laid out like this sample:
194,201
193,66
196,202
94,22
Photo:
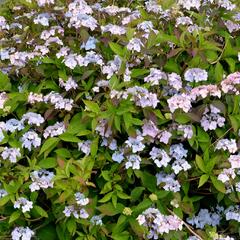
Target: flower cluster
134,104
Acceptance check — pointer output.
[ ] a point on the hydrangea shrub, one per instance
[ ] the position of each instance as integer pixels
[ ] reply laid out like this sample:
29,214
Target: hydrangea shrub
119,119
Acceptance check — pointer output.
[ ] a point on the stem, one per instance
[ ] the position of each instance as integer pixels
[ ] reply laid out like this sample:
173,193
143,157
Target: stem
186,225
221,136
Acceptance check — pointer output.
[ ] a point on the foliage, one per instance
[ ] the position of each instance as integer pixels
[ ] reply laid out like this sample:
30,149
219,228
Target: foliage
115,119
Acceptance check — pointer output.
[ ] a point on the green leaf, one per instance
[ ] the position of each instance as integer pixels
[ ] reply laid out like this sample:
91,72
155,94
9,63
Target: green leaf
136,193
218,184
40,211
202,136
47,232
127,118
63,152
231,64
149,181
106,198
94,147
71,225
5,84
182,118
114,82
219,72
14,216
92,106
137,72
67,137
50,162
200,163
117,122
122,195
4,200
109,210
117,49
143,205
49,143
203,179
234,122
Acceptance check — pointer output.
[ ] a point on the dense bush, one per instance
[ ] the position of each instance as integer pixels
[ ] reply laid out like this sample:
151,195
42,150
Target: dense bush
119,119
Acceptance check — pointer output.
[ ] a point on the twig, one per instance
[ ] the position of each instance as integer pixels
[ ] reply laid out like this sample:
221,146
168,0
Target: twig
221,137
186,225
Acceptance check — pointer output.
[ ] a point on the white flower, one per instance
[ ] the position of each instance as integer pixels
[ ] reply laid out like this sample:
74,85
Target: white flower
112,67
155,76
235,161
178,152
13,124
35,97
96,220
58,101
69,84
76,212
33,118
226,175
183,21
160,157
30,139
150,129
170,183
157,223
226,144
113,29
3,99
196,75
42,3
233,213
85,147
41,179
11,153
182,101
180,165
81,199
133,161
22,233
211,120
135,44
3,193
90,44
24,204
187,130
164,136
205,217
175,81
188,4
135,143
42,19
54,130
70,61
118,156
